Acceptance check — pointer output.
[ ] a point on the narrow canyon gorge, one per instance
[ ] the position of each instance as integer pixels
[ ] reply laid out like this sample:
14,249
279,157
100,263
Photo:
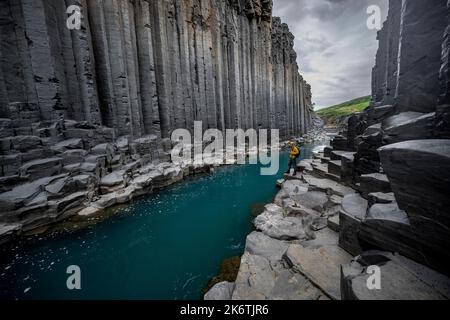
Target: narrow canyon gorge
375,204
86,113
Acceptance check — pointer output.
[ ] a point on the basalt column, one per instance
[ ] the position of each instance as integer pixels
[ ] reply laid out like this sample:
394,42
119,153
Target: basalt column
149,67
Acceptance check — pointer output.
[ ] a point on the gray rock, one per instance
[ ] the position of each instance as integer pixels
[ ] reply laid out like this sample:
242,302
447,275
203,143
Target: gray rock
418,171
25,143
113,179
333,223
374,182
275,225
68,144
319,265
387,227
220,291
326,185
260,244
260,279
41,168
354,209
408,126
17,197
402,279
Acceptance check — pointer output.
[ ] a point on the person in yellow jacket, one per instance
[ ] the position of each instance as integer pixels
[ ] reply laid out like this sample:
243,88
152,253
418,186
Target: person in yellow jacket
293,156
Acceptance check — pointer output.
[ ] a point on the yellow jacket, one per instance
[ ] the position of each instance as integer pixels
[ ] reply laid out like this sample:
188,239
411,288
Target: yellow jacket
294,152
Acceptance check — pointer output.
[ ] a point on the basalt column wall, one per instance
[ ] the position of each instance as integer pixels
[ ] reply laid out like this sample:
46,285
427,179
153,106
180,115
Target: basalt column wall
409,58
148,67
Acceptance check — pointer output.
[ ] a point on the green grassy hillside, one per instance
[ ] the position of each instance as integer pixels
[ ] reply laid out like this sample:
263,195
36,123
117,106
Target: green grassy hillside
330,114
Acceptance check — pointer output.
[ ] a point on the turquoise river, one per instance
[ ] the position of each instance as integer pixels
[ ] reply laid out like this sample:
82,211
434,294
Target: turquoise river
166,245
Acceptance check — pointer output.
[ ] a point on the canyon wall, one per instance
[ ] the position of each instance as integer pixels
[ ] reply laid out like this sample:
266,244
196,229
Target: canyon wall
86,115
408,63
148,67
400,143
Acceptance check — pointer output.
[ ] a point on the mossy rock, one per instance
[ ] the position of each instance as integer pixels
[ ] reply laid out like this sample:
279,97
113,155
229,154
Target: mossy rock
257,208
229,269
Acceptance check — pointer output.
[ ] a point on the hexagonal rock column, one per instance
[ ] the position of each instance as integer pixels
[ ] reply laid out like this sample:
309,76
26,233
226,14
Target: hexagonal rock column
419,172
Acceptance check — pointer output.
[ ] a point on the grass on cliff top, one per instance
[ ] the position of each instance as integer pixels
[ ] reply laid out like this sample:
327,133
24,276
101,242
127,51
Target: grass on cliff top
330,114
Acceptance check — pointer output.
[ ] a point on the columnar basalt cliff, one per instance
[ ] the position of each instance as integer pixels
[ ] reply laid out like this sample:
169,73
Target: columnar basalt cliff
87,113
400,142
148,67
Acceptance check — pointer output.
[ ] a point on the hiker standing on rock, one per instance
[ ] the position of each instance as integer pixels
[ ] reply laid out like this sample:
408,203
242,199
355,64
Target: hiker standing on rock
293,156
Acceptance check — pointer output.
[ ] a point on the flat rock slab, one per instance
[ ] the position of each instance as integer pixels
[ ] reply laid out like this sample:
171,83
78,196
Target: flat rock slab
295,186
260,244
374,182
401,279
327,185
315,200
355,206
260,279
324,237
279,227
113,179
320,265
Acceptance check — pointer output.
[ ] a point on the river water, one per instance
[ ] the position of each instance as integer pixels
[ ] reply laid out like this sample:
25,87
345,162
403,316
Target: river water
165,245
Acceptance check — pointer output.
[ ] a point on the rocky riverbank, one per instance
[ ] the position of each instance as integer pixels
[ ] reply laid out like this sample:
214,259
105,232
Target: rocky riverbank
308,244
379,196
86,114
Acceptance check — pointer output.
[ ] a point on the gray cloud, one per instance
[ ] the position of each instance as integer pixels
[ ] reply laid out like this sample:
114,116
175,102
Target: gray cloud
336,50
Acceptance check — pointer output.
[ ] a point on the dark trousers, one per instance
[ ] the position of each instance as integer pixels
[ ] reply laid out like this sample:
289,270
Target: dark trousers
292,164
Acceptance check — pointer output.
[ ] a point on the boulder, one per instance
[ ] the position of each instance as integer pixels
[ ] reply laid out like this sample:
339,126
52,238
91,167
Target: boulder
25,143
377,114
320,265
7,231
21,194
260,244
294,186
374,182
261,279
41,168
339,143
354,208
408,126
220,291
114,181
273,224
315,200
347,167
68,145
387,227
334,167
401,279
419,172
73,156
327,185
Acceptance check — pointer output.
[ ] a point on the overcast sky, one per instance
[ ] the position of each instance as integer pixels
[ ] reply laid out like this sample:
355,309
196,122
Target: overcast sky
336,51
